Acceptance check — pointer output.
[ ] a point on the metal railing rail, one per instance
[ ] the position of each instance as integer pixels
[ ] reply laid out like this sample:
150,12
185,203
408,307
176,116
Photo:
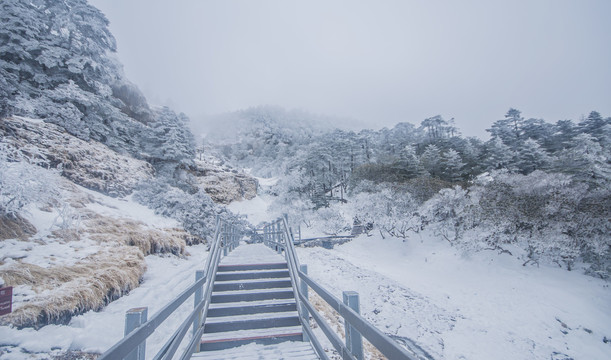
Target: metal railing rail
226,238
384,343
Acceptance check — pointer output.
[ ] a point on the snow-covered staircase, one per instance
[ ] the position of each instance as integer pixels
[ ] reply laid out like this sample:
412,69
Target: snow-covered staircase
253,310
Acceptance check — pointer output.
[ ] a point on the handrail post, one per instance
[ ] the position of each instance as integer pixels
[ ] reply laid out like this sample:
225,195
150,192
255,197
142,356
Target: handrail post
133,319
354,341
303,289
199,294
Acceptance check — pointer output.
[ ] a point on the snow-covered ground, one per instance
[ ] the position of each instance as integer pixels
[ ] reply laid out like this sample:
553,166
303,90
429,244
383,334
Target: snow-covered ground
454,306
166,276
486,306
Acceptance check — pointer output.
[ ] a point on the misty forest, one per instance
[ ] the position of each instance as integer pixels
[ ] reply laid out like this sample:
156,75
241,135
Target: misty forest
106,199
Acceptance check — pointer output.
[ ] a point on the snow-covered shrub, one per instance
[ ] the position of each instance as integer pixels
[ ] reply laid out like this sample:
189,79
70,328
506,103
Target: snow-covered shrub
195,211
550,216
23,181
450,213
391,209
540,212
331,220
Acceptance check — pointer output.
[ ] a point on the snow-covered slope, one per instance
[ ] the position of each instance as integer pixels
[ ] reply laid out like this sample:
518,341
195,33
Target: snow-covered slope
486,306
87,163
98,329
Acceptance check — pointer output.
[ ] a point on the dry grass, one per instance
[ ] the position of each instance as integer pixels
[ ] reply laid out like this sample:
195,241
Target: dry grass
66,291
76,355
336,321
135,233
15,227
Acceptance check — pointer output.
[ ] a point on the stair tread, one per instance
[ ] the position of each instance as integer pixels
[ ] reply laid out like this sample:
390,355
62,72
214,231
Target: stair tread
252,334
286,350
251,303
257,271
221,266
252,291
258,316
244,281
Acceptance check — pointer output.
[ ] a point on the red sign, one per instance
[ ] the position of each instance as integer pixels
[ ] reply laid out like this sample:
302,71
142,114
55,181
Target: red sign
6,300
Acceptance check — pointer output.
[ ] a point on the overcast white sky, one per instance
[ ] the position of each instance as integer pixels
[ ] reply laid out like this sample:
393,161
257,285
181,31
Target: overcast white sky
378,62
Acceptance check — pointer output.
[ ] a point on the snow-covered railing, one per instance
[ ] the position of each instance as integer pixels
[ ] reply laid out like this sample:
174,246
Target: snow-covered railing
138,328
279,236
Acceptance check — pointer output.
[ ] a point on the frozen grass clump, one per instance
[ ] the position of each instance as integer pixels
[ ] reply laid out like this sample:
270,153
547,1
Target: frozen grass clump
65,291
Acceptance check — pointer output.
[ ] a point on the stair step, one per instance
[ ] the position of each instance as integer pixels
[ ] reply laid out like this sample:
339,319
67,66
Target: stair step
252,295
248,324
226,340
241,308
288,350
241,275
243,267
219,319
250,285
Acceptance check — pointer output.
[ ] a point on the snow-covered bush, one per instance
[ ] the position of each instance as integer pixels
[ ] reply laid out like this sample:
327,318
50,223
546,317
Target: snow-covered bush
390,209
195,211
550,216
23,181
331,220
450,213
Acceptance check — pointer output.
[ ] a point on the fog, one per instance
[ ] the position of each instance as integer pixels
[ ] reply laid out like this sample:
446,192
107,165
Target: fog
375,62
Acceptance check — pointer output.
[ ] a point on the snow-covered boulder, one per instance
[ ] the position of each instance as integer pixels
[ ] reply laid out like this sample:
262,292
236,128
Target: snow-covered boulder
223,184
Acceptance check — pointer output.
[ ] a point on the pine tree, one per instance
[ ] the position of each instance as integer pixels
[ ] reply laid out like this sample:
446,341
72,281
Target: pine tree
170,139
498,155
56,64
408,166
431,160
452,166
594,124
509,129
586,160
532,157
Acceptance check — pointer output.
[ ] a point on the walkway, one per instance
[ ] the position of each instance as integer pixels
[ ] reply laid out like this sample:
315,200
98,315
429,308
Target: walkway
253,312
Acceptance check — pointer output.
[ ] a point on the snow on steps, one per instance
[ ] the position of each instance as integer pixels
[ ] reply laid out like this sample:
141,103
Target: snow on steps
253,312
287,350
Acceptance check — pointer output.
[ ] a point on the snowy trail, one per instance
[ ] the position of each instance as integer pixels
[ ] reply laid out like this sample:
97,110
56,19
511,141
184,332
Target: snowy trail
164,279
484,307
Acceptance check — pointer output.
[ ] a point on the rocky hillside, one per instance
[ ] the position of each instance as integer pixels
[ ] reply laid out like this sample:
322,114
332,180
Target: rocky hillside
89,164
82,156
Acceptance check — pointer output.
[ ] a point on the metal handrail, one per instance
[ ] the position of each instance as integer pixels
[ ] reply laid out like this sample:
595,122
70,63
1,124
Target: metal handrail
384,343
223,238
126,345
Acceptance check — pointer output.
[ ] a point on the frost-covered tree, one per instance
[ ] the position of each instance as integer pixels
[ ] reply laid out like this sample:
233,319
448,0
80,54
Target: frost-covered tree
409,163
594,124
169,138
452,166
57,63
431,160
586,160
509,129
532,157
564,131
497,155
